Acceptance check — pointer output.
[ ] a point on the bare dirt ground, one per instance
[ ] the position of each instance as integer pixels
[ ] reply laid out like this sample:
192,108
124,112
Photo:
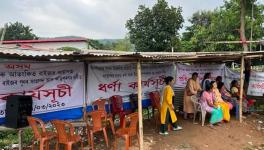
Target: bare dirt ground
248,135
230,136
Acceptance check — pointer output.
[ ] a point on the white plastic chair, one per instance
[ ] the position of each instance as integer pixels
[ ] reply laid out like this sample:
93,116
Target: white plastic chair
198,108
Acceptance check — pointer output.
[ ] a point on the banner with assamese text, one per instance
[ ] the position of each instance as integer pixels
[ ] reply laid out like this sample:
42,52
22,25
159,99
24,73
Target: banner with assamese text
230,75
53,86
184,72
256,84
120,78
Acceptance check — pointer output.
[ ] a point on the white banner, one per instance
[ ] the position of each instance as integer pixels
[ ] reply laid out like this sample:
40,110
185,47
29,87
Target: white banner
53,86
184,72
230,75
120,78
256,84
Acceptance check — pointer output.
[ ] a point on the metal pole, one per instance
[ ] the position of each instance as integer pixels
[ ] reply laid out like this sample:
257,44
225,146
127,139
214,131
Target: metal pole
241,87
140,106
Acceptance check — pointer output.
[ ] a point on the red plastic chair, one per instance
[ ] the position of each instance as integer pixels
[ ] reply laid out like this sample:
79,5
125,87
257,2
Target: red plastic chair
155,103
117,108
64,136
128,132
97,124
155,100
40,133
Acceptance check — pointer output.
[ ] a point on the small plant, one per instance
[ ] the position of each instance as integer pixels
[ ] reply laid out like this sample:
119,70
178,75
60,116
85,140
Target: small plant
7,138
27,137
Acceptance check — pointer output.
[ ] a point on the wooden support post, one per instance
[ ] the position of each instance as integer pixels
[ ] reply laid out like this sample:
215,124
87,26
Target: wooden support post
242,65
20,139
85,90
140,106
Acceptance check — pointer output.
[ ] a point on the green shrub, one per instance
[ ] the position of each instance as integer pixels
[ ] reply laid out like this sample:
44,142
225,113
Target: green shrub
68,48
27,137
7,138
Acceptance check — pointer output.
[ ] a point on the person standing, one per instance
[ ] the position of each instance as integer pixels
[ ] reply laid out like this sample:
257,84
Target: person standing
167,109
192,88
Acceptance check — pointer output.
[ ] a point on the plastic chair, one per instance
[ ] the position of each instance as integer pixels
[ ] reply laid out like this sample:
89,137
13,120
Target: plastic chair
134,103
128,132
155,103
66,137
117,108
100,103
97,123
198,108
40,133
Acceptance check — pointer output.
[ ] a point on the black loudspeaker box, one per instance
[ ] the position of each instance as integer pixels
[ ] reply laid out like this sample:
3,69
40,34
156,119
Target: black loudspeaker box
18,107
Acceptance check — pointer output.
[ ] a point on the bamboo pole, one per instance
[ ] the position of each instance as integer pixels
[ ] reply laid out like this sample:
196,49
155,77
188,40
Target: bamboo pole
233,42
20,139
140,106
3,34
85,80
241,87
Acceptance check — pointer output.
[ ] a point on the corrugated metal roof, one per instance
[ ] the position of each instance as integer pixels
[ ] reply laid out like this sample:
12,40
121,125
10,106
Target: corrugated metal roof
46,40
101,55
29,52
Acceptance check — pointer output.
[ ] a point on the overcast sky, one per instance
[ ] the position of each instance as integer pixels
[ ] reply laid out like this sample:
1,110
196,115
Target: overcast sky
89,18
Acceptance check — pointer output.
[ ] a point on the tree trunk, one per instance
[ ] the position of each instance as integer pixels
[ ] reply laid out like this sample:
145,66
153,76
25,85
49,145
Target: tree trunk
242,26
244,43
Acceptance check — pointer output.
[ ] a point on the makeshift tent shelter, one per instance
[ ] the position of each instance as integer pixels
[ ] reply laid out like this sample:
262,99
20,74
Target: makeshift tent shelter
139,57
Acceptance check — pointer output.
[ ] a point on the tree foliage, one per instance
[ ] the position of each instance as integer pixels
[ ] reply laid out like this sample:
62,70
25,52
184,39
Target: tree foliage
112,44
95,44
156,28
18,31
68,48
123,45
222,24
